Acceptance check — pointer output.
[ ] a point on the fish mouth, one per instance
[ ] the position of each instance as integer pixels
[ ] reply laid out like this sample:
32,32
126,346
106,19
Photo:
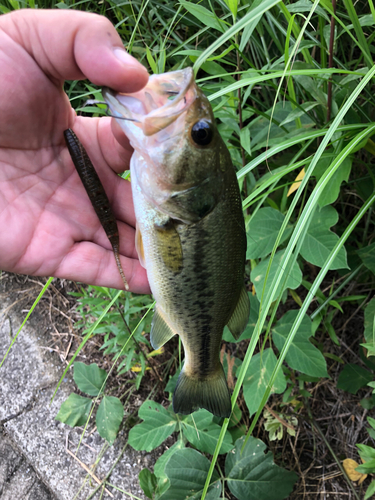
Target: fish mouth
165,97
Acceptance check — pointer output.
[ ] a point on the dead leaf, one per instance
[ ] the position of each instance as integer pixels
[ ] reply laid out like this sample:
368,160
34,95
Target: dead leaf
350,466
297,182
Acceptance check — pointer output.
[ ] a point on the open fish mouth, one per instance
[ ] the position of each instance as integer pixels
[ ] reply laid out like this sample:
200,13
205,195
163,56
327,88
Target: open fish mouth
158,104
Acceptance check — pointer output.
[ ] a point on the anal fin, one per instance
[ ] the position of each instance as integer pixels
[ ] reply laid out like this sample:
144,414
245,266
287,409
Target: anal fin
240,316
161,332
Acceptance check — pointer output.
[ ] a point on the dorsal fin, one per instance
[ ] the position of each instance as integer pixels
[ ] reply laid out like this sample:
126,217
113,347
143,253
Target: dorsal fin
240,316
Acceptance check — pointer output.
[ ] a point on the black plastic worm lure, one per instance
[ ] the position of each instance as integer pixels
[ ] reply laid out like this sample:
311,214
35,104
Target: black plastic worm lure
96,193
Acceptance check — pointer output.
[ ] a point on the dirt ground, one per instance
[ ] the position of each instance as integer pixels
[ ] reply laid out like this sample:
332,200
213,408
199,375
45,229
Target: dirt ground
330,421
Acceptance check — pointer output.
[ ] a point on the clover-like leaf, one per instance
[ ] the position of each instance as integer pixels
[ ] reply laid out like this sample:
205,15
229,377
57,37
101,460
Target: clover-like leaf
187,472
109,417
353,377
90,379
203,433
253,475
331,192
75,410
320,240
262,232
257,379
157,426
367,255
301,355
258,275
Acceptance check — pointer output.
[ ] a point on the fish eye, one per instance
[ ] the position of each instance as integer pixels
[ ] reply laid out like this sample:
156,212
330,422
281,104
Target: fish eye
202,133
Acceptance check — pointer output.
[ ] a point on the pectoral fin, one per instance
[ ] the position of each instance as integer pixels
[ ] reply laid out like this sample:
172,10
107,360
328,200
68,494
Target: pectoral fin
240,316
161,332
169,246
139,246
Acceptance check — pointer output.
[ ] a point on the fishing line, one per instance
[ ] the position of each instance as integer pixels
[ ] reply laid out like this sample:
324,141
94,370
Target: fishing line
89,102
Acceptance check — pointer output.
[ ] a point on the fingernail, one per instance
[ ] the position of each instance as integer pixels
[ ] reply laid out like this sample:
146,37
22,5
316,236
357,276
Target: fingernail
126,58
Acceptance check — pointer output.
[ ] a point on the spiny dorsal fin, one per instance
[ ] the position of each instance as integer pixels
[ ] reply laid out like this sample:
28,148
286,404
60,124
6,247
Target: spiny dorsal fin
161,332
240,316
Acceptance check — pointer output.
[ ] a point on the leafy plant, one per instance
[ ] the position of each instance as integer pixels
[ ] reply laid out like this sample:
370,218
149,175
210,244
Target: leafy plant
181,472
292,88
75,411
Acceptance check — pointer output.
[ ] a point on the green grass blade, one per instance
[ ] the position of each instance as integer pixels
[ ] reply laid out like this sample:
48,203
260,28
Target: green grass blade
85,339
251,16
297,233
26,318
307,302
359,32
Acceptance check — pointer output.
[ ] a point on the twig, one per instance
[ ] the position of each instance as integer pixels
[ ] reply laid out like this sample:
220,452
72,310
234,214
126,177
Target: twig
87,469
339,465
109,473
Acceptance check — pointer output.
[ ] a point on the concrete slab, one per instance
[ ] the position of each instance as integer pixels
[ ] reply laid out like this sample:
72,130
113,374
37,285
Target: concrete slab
34,462
17,479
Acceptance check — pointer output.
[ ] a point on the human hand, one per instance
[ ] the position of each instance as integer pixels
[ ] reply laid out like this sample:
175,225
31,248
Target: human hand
47,224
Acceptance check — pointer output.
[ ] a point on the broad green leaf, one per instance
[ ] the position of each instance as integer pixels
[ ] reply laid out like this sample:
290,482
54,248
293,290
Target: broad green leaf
257,378
109,417
320,240
301,355
253,475
353,377
161,462
205,16
253,318
172,382
297,113
367,468
245,138
367,453
370,491
202,433
159,468
370,323
258,275
89,378
187,471
262,232
311,86
75,410
331,192
367,255
157,426
148,482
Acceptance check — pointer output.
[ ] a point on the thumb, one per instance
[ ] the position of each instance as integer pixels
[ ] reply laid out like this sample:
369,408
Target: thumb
74,45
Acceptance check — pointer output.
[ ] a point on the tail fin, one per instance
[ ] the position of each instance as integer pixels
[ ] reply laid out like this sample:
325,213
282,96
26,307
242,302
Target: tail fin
211,393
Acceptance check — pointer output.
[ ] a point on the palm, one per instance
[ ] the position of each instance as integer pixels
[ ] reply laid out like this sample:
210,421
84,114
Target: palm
47,223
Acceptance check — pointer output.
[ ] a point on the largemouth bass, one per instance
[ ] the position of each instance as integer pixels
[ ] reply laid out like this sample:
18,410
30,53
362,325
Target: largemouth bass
190,233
